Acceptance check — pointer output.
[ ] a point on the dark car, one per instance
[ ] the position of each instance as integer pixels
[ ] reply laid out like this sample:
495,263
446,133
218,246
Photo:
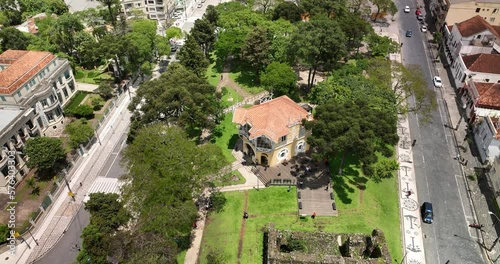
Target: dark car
427,213
409,33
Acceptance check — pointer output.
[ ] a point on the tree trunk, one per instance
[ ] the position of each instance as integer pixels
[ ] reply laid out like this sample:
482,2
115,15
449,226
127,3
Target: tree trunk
309,77
376,15
313,75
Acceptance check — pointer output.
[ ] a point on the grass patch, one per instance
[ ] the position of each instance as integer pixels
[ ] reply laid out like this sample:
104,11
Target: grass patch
212,74
225,136
246,82
232,178
363,206
75,100
230,93
91,76
181,256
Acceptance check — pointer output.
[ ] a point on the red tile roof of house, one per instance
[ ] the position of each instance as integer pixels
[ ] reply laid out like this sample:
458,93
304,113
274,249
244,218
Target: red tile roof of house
487,63
489,95
272,118
21,66
476,25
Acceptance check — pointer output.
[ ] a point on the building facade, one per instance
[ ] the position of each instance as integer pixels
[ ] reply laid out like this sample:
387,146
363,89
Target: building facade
34,87
272,132
479,67
487,138
450,12
154,9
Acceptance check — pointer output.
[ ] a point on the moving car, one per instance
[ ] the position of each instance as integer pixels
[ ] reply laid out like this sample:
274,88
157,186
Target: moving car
424,28
437,82
409,33
407,9
427,213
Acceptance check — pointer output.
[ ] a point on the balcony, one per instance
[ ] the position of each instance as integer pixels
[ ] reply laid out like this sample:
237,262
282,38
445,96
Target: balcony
3,158
264,149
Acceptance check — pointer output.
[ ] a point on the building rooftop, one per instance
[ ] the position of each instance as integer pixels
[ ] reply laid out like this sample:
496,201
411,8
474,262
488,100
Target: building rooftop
7,115
80,5
272,118
476,25
20,66
485,63
489,95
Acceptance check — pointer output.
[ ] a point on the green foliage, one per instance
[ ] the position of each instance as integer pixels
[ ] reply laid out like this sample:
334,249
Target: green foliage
33,7
203,33
216,256
279,78
256,50
113,7
181,174
211,15
12,38
95,245
177,97
280,31
191,56
384,169
4,232
355,29
287,10
384,6
81,111
44,152
327,8
79,132
330,89
11,14
162,45
381,46
105,90
218,200
106,211
356,127
174,32
318,42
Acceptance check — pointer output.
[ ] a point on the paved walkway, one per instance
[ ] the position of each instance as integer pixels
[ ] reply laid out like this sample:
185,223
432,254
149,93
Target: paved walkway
54,224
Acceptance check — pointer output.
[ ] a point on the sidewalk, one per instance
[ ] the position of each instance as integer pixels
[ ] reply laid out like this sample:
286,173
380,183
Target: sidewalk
61,213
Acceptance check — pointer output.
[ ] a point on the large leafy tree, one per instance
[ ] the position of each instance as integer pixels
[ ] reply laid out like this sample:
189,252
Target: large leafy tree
352,128
33,7
256,50
318,42
280,32
355,29
79,132
203,33
211,15
191,56
177,97
66,27
11,12
279,78
381,46
112,6
384,6
44,152
330,8
287,10
12,38
166,171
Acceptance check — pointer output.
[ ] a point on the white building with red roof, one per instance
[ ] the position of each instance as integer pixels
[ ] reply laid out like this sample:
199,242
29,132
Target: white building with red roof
34,87
478,67
272,132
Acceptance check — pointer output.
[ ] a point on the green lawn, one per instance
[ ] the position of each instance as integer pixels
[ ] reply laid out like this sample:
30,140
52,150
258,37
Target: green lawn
227,179
181,257
76,100
212,74
359,211
91,76
225,136
227,93
246,82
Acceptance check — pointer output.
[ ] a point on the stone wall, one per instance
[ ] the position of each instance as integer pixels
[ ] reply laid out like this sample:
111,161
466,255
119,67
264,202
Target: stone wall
328,248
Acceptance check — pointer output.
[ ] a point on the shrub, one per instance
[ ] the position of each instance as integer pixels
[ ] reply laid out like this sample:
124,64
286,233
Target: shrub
4,233
97,103
84,111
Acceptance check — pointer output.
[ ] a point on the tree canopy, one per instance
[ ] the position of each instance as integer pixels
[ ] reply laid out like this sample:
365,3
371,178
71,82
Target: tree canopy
280,79
44,152
12,38
191,56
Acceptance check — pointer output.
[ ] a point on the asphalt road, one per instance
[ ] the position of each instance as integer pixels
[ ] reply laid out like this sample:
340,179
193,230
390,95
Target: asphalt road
448,239
66,250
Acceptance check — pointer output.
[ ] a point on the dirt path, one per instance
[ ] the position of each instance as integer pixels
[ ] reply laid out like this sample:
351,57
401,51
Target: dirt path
226,81
242,230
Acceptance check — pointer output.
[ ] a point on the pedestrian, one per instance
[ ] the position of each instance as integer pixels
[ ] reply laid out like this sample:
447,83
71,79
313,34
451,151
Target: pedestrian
195,225
81,184
414,142
408,194
221,77
401,44
313,215
326,189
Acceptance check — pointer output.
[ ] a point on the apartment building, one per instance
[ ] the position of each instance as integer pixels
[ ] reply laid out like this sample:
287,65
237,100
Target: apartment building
449,12
34,87
155,9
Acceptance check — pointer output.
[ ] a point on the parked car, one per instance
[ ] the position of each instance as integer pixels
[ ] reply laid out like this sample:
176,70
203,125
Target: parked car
200,5
407,9
420,17
437,82
409,33
424,28
427,213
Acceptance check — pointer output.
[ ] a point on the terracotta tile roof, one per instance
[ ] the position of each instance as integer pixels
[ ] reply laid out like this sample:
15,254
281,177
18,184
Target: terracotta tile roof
476,25
489,95
487,63
272,118
21,65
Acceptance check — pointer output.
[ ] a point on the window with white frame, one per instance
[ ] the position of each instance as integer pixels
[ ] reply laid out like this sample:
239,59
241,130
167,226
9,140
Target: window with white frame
300,147
283,154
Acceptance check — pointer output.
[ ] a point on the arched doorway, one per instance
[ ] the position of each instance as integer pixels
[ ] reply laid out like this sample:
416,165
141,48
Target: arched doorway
249,153
264,161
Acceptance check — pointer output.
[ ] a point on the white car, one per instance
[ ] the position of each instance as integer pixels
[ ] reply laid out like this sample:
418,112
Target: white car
424,29
437,82
407,9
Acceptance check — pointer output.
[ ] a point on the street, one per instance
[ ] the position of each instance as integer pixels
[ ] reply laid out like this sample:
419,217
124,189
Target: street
438,176
66,249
